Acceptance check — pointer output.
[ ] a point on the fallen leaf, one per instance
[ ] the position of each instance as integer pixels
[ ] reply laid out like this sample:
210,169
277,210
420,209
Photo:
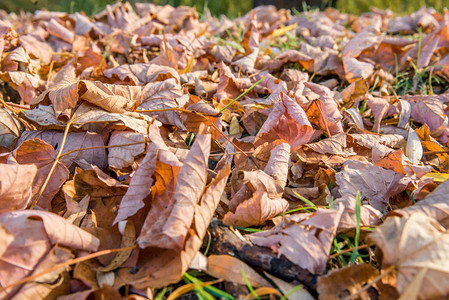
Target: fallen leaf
16,186
160,267
229,268
256,210
124,156
140,186
304,239
10,129
35,233
406,243
287,121
346,281
42,155
435,205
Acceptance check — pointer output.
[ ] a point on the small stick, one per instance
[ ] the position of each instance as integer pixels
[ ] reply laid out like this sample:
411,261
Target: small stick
350,250
435,152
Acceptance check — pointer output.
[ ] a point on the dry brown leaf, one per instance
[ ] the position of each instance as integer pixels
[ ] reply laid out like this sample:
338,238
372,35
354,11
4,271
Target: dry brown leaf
42,155
356,69
251,181
138,74
376,185
16,185
52,284
258,199
333,145
414,245
166,94
305,239
142,181
230,269
112,98
346,281
287,121
159,267
35,233
435,205
105,292
430,111
124,156
256,210
329,113
171,227
74,142
10,129
277,166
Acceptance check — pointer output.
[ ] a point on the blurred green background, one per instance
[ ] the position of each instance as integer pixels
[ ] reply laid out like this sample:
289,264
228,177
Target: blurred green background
231,8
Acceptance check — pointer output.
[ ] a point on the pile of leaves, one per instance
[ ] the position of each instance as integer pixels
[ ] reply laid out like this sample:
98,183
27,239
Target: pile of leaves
152,152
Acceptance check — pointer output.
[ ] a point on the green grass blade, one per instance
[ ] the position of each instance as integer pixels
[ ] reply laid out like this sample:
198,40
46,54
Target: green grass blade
248,284
161,294
305,200
206,289
208,243
331,203
358,204
243,94
296,209
291,292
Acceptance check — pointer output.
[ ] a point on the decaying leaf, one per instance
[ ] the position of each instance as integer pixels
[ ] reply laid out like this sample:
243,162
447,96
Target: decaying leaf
303,239
230,269
16,185
34,235
187,206
142,123
435,205
416,248
346,281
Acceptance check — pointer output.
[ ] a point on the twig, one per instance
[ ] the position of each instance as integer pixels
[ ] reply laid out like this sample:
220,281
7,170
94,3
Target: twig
350,250
435,152
53,167
104,147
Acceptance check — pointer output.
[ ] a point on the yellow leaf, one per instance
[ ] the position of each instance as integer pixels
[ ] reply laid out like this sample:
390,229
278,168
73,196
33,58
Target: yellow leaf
437,177
283,30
